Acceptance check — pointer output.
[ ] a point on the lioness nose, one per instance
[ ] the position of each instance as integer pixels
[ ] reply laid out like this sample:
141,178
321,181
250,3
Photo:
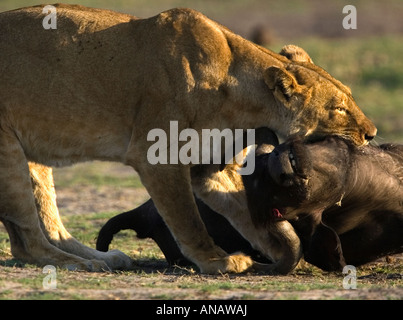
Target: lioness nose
368,137
371,133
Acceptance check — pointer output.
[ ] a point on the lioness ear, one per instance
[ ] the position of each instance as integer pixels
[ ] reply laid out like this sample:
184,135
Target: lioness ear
295,53
281,81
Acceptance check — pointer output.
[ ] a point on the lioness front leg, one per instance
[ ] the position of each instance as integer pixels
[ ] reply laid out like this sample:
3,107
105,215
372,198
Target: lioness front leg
223,191
164,183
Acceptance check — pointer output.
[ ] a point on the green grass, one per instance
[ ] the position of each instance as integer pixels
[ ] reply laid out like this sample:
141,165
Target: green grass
97,173
142,6
85,228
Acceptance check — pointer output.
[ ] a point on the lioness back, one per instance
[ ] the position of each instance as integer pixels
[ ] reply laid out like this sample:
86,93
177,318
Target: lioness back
62,89
99,73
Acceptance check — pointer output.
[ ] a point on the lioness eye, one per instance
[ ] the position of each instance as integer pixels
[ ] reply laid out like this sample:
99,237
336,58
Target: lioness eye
340,110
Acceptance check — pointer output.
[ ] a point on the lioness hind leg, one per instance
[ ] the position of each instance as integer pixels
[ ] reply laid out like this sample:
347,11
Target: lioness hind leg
30,246
19,215
183,219
53,228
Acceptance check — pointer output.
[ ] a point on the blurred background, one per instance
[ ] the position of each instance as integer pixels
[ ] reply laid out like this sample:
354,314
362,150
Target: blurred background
369,59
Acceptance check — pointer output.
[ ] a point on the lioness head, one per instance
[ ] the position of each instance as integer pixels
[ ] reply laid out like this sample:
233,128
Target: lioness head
323,104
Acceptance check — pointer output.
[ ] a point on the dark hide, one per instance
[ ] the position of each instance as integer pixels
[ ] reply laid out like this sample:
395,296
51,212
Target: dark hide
345,202
147,223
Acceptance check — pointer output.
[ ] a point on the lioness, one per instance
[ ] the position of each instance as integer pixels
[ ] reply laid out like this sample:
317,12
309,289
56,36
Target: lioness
94,87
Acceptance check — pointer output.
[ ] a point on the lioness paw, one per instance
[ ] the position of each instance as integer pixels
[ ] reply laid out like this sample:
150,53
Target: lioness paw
87,265
117,260
239,263
235,263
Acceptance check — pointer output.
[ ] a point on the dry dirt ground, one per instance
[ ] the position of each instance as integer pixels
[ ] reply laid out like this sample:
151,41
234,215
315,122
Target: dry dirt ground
182,285
153,279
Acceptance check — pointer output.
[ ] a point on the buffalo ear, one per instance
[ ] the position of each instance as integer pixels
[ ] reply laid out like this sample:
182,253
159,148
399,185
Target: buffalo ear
295,53
324,249
281,82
